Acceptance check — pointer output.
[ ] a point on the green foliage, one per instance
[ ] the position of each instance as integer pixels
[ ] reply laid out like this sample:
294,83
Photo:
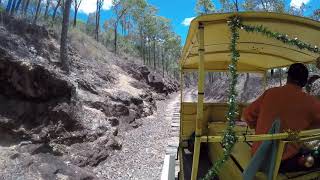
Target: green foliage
91,24
316,15
265,5
228,6
137,30
2,9
204,7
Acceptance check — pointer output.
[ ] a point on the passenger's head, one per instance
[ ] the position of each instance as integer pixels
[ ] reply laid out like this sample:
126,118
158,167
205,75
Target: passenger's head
298,74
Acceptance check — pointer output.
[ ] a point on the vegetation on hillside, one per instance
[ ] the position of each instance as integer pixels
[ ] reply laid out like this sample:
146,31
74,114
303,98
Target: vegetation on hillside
134,28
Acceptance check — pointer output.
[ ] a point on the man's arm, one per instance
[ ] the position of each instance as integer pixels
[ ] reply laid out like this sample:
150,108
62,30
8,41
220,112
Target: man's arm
251,113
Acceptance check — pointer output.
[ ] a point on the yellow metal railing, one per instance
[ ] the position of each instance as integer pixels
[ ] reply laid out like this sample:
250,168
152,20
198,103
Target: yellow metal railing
314,133
307,135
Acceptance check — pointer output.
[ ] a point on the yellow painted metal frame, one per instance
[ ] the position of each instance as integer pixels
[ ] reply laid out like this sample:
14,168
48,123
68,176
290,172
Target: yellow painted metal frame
242,158
198,132
200,40
180,148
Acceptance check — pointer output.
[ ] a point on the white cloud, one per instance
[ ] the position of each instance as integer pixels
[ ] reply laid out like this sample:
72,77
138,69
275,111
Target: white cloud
298,3
89,6
187,21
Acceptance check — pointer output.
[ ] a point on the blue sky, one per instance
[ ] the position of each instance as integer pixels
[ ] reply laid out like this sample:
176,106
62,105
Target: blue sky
178,11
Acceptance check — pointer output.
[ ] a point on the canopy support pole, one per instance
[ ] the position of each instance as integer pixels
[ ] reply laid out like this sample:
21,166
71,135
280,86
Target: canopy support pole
180,148
198,131
265,81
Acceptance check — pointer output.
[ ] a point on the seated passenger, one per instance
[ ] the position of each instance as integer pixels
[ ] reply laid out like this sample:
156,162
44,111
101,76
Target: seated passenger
296,110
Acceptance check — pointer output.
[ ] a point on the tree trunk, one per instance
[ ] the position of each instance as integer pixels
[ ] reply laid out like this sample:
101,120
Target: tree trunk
75,17
13,7
162,59
47,9
9,6
149,53
64,36
18,5
76,8
154,54
37,12
143,50
55,10
25,10
127,26
97,21
115,37
167,64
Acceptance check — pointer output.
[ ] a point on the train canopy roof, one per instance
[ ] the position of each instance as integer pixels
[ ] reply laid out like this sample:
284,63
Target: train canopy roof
258,53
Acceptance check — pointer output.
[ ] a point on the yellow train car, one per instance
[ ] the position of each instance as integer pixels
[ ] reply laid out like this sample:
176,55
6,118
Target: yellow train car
207,49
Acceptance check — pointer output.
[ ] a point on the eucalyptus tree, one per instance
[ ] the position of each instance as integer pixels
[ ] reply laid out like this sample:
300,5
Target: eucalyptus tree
37,12
204,7
46,11
108,32
265,5
98,14
13,7
172,51
76,5
150,30
25,7
139,13
91,24
120,8
64,36
58,4
229,6
9,4
163,27
316,15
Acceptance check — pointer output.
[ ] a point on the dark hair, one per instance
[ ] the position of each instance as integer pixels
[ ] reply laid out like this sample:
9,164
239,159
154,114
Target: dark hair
298,74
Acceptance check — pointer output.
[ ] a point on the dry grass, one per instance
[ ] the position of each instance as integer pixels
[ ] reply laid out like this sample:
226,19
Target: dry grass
88,48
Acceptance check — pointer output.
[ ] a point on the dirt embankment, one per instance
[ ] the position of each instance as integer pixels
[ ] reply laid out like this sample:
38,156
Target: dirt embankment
57,126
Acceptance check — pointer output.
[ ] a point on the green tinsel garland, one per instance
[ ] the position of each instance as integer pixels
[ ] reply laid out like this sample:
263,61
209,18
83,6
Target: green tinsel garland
279,36
229,137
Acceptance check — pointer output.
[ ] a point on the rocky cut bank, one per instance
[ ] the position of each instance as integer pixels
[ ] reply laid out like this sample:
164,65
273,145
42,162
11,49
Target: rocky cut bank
58,126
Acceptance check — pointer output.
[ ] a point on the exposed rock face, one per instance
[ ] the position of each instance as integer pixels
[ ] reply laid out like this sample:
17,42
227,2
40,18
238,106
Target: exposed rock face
23,165
59,126
155,80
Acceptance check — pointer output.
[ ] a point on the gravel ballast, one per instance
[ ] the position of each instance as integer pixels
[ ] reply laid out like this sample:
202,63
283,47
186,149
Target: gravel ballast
143,150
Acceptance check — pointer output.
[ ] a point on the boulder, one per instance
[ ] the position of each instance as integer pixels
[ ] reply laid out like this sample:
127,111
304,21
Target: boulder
111,108
87,86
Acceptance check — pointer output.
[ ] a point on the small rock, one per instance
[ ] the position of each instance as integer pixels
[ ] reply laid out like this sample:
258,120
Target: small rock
14,156
115,132
113,121
115,143
135,124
